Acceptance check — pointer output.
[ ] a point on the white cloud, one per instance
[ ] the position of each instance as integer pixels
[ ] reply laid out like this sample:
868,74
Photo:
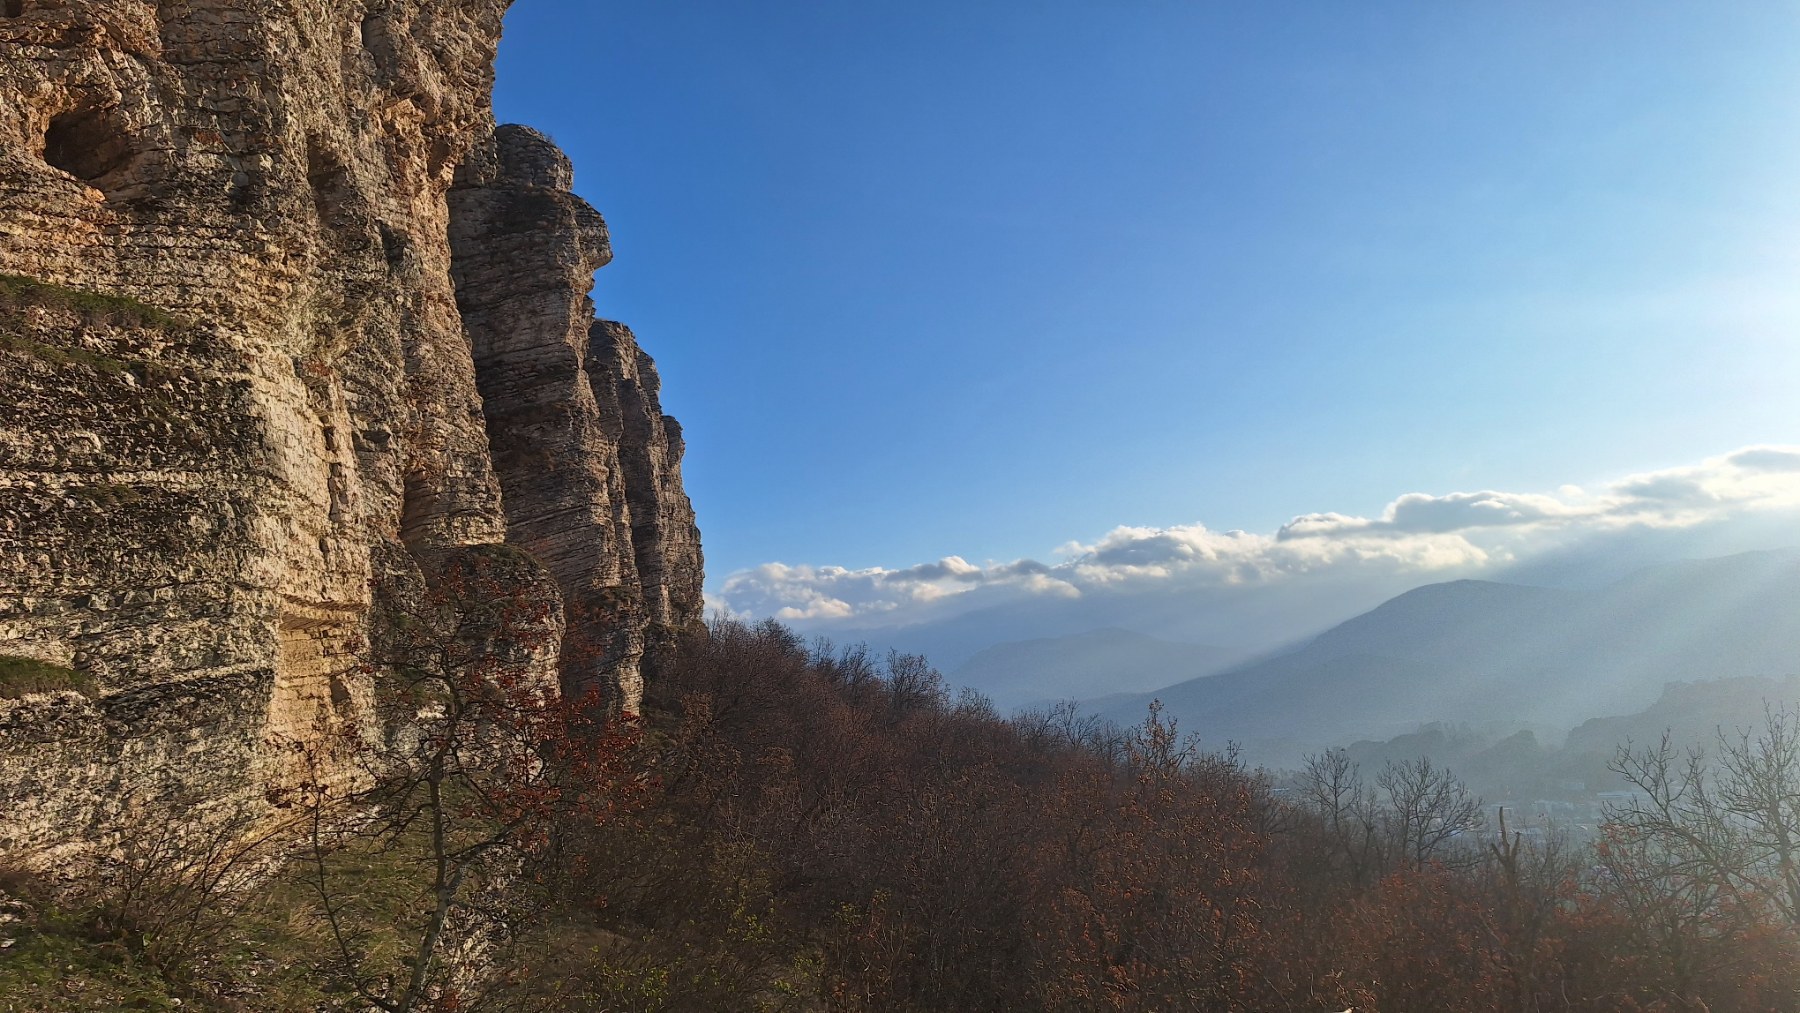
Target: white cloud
800,593
1767,459
1435,536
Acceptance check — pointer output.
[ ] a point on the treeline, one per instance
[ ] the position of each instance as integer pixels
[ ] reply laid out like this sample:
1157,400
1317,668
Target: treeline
829,830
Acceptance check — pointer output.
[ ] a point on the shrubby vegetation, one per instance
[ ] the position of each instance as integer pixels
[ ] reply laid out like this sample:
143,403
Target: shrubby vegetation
799,827
865,840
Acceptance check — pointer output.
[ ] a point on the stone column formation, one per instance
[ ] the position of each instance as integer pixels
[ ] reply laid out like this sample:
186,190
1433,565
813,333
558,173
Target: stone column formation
244,384
590,465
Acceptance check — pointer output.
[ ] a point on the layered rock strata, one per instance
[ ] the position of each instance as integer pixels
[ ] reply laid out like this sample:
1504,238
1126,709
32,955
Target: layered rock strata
664,537
244,392
590,466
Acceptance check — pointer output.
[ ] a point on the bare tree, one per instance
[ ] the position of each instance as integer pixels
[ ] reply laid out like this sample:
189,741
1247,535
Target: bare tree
1331,784
1733,822
1428,808
912,685
1528,881
170,882
422,863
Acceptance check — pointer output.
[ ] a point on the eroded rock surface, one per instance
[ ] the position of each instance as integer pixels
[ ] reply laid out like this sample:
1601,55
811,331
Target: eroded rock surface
589,465
664,538
272,407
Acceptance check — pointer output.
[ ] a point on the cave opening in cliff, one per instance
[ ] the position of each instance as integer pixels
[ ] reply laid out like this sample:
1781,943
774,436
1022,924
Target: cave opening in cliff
13,8
86,143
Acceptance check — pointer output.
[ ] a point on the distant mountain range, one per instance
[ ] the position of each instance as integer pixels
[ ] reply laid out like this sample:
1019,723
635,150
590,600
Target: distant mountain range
1085,665
1500,656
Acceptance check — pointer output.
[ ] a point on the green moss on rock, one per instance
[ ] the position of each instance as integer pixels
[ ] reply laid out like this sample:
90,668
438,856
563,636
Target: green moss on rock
21,676
61,356
17,292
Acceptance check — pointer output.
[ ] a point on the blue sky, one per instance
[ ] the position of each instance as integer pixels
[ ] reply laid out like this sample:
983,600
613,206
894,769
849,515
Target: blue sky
982,279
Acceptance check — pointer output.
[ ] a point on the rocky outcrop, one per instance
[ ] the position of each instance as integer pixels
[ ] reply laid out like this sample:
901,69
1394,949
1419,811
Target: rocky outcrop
589,465
246,394
665,540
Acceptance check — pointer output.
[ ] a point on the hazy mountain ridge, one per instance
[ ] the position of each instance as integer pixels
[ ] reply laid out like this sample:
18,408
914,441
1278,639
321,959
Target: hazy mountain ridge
1693,714
1111,659
1499,766
1485,652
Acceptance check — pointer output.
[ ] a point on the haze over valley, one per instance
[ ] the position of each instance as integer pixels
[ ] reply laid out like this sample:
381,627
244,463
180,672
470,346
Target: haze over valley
1514,611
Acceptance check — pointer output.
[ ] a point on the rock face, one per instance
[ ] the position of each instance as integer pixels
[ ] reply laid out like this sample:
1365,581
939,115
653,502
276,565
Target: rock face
589,464
665,539
246,395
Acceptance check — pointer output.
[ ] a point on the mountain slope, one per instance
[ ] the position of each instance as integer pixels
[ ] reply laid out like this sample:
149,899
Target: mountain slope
1084,665
1502,654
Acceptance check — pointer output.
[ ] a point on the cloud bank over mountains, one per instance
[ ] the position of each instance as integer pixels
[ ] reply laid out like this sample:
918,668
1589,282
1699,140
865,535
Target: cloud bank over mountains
1430,537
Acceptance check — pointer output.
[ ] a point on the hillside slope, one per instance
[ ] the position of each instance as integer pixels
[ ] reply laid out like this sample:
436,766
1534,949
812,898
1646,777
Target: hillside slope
1493,654
1083,665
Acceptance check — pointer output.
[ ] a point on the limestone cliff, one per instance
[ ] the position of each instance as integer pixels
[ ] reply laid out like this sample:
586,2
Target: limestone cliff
589,464
240,391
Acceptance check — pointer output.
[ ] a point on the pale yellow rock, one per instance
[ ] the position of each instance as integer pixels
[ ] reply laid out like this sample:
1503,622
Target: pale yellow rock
196,498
